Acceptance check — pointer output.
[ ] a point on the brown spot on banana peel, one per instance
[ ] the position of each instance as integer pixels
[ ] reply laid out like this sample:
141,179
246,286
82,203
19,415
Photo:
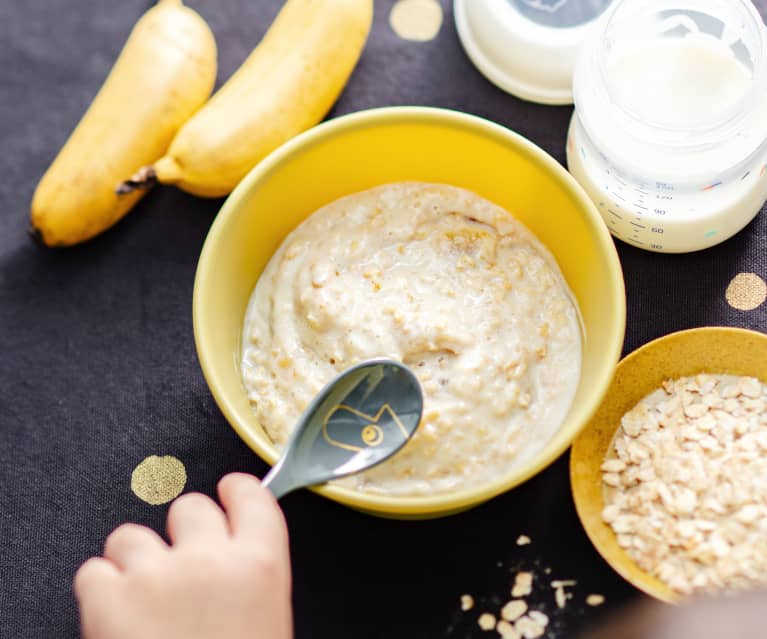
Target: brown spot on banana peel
145,178
165,170
38,237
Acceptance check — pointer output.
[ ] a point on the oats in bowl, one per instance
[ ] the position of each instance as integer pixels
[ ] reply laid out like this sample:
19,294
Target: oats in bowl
686,483
443,280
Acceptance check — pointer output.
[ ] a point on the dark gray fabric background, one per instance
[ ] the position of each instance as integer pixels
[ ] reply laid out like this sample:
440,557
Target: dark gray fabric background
98,368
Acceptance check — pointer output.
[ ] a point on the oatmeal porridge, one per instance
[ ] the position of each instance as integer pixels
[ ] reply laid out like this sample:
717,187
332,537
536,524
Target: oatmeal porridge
444,281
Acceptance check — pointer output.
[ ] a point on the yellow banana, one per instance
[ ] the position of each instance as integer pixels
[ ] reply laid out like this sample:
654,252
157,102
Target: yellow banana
165,73
286,85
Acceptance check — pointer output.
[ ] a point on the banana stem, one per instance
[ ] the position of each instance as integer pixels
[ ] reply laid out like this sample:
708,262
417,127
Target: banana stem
145,178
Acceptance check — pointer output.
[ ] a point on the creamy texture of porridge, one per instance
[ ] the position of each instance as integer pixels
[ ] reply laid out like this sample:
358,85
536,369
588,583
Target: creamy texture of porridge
443,280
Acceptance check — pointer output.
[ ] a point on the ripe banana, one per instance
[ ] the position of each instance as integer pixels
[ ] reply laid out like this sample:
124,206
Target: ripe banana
165,73
285,86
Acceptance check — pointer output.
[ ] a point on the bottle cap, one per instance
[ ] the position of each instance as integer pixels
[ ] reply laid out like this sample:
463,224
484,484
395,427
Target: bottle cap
527,47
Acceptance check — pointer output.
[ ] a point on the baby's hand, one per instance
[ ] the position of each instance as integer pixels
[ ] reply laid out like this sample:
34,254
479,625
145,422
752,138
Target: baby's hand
225,576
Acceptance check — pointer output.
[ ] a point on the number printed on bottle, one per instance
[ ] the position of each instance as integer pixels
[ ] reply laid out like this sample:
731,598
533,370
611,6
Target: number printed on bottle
679,164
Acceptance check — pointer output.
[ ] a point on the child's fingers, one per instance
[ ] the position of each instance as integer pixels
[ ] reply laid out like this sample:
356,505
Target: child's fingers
195,516
131,543
252,510
93,575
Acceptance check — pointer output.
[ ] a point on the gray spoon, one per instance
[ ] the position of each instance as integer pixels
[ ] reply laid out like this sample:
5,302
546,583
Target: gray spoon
358,420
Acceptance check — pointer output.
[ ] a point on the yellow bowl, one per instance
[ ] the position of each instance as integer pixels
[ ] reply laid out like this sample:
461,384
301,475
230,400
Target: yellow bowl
365,149
734,351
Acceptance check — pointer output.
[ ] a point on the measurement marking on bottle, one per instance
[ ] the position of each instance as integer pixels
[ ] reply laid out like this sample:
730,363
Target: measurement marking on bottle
651,208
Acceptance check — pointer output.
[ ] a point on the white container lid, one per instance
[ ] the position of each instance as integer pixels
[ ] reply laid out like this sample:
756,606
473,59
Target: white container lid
527,47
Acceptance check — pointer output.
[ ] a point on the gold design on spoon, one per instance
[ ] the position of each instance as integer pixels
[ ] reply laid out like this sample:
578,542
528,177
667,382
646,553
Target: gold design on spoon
372,435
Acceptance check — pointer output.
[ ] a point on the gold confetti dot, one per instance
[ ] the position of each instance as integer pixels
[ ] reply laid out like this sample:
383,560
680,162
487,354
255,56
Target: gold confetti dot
746,291
418,20
158,480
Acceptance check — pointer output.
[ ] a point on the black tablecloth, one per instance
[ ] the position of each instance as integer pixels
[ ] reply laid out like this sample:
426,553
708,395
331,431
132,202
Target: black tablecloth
98,369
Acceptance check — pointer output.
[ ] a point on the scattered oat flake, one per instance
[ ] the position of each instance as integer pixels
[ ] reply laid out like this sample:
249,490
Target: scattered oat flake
486,621
514,609
529,628
595,600
562,583
506,630
539,617
467,602
523,540
520,591
560,596
523,583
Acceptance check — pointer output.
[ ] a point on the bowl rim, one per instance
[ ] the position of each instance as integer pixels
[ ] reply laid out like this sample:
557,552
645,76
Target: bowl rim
467,497
645,581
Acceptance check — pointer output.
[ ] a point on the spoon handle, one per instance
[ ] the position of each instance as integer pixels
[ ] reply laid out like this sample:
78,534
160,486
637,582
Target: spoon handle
279,481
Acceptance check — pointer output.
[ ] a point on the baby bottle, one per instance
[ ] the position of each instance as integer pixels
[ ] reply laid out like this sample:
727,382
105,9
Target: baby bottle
669,134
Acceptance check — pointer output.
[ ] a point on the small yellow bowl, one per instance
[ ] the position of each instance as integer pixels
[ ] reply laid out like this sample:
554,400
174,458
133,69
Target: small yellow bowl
366,149
733,351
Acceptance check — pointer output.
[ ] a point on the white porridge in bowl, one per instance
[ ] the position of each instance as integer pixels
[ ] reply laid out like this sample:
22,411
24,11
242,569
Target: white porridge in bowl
446,282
